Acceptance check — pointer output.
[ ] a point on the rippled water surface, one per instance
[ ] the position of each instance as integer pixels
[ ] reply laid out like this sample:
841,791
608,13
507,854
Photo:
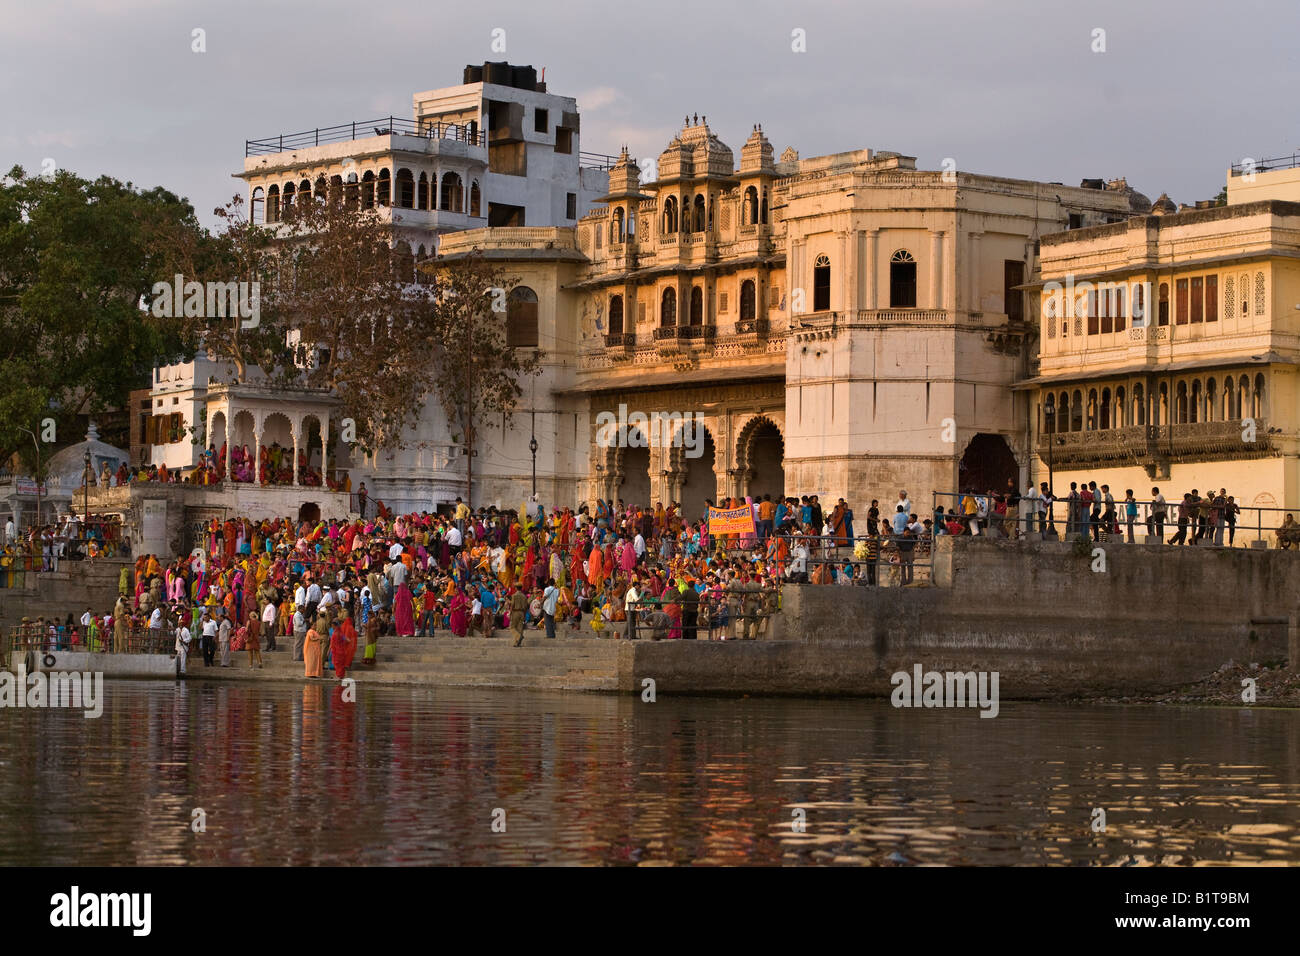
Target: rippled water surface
289,774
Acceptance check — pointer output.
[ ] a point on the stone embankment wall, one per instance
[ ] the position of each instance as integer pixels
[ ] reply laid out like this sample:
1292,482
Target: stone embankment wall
74,587
1157,617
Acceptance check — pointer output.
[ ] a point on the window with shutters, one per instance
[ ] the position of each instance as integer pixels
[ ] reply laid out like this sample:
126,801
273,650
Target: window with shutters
1243,293
521,318
1121,317
1093,313
1212,298
1180,301
773,296
822,284
1162,307
747,299
1229,300
902,280
722,302
1198,299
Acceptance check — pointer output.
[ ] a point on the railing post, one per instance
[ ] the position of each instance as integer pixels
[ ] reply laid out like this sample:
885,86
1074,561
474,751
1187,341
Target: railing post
317,135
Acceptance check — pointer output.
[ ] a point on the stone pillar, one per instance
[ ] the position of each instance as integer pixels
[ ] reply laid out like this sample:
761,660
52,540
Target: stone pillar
936,269
324,449
872,295
297,426
230,438
257,452
973,285
950,270
843,266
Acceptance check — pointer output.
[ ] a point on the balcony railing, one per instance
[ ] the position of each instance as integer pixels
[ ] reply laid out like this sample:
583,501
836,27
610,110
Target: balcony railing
1142,444
384,126
684,333
753,327
620,340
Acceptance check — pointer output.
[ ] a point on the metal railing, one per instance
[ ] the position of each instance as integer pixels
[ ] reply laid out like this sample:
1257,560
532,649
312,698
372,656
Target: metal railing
1063,519
1264,165
384,126
735,615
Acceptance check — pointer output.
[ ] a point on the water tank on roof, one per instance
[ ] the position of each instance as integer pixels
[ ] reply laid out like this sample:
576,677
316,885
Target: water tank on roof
473,74
524,78
497,73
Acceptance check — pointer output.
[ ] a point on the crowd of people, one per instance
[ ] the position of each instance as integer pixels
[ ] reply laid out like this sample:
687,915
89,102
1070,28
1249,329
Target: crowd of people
72,538
324,588
274,466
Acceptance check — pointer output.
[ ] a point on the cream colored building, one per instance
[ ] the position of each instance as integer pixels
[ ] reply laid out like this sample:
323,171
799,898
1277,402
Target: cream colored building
845,325
1167,351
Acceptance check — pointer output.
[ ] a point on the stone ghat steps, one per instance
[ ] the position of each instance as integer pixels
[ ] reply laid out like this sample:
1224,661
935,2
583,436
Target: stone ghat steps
572,663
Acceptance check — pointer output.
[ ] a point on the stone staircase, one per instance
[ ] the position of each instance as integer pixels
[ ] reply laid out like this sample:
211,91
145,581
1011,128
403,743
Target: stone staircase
566,663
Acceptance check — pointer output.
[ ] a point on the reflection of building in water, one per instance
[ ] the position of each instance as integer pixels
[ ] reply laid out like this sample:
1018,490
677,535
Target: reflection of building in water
844,324
1168,346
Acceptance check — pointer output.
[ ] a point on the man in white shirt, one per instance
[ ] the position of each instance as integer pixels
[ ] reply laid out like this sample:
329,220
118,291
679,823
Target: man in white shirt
300,596
394,552
86,618
183,639
799,562
269,614
629,608
208,642
1028,509
313,600
10,531
638,544
905,501
550,600
454,540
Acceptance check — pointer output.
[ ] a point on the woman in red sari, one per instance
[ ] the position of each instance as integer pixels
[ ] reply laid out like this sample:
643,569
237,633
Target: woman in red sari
343,645
459,614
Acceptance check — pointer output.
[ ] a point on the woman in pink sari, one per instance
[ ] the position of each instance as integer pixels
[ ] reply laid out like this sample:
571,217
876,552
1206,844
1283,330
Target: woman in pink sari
403,611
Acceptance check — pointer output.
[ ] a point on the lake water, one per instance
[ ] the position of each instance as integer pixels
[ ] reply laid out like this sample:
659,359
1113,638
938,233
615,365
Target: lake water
290,774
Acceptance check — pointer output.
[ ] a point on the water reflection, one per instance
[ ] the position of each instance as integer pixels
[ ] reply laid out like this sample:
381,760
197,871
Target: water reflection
290,774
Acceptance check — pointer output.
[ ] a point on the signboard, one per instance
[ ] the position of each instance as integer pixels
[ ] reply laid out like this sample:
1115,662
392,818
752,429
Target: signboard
153,524
731,521
27,486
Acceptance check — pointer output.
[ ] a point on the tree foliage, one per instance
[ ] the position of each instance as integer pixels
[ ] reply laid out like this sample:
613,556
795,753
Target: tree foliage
76,259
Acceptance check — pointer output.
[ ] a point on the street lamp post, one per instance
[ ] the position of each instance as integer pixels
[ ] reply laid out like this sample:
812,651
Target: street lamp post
532,447
85,499
37,474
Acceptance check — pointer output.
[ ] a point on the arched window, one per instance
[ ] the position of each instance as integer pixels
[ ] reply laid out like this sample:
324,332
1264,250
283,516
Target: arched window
521,318
383,191
1211,400
273,204
1243,397
1049,316
668,308
1063,412
1139,305
258,207
1180,404
1162,315
699,213
351,191
1139,405
368,190
336,190
1076,411
1092,410
822,284
405,189
749,207
1194,414
616,315
289,190
322,188
697,305
475,200
1121,410
1104,413
1243,293
670,215
1229,400
1257,398
1162,405
422,195
616,226
762,217
453,198
747,300
902,280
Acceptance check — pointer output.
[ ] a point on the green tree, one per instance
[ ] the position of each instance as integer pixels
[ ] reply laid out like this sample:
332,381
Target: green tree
77,260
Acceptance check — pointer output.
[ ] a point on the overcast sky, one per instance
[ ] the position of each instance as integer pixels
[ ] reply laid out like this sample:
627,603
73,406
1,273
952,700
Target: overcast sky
1009,88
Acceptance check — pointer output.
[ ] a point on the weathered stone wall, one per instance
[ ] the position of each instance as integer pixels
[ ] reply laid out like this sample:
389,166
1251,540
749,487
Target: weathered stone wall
73,588
1157,617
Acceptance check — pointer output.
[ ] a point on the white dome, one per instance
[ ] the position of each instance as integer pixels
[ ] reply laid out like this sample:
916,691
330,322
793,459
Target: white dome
69,464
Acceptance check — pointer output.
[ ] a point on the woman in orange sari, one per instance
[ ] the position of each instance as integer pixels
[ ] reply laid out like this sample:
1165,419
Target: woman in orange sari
313,650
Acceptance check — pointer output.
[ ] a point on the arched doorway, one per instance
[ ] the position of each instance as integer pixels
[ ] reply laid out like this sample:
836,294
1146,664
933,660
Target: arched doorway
634,463
309,512
987,464
760,454
699,483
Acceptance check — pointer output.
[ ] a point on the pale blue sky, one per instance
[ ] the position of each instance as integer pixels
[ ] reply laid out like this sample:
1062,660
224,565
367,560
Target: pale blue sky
1010,88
